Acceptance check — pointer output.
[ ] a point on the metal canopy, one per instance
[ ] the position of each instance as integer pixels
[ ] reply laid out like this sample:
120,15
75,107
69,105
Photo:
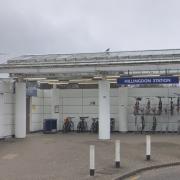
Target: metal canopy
67,66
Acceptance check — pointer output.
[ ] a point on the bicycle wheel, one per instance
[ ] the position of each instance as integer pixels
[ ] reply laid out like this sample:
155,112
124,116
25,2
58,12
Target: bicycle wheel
71,126
85,126
91,128
64,128
79,127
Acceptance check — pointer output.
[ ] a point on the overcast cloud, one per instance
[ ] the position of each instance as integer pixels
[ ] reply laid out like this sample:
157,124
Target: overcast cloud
70,26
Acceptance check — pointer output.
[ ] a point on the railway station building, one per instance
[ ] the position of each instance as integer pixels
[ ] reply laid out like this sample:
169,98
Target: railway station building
139,90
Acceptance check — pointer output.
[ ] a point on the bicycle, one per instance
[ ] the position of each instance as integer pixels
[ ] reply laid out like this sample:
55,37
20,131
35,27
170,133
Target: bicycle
94,126
135,121
154,124
82,125
112,123
178,104
160,106
68,125
148,107
136,107
171,107
142,123
154,111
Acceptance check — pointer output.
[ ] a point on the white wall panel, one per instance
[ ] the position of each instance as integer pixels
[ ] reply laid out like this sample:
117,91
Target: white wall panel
90,101
90,93
114,92
47,101
7,87
8,109
47,109
37,118
8,119
6,130
71,93
72,101
174,92
36,126
72,109
60,101
37,101
37,109
47,93
1,87
141,92
47,116
8,98
114,109
90,109
40,93
114,101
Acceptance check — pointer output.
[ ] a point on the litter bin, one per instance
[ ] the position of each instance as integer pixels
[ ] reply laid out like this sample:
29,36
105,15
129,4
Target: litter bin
50,126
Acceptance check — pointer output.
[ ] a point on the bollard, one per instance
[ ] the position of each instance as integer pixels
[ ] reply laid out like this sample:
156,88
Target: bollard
117,153
92,160
148,147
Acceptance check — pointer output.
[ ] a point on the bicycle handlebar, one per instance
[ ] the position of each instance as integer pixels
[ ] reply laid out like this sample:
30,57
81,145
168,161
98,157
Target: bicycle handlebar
84,117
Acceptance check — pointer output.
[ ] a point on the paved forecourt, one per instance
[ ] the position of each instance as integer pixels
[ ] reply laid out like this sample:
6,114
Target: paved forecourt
66,156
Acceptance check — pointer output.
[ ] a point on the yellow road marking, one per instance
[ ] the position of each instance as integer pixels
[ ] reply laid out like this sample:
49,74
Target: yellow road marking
135,177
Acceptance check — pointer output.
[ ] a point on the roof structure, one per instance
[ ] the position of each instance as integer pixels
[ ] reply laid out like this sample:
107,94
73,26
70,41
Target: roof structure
122,55
65,66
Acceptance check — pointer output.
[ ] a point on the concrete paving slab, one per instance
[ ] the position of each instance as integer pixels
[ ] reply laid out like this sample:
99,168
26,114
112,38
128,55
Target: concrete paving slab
66,156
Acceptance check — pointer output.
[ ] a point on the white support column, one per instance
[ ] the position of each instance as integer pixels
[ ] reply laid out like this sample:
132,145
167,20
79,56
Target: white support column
55,105
20,110
104,109
123,106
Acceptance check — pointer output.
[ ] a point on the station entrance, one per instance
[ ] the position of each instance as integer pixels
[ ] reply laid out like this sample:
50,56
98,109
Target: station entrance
132,108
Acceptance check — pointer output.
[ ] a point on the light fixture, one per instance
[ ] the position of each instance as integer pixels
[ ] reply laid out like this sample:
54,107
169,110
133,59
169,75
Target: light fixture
92,82
79,80
42,82
53,80
35,78
97,77
59,83
111,79
145,75
115,76
113,82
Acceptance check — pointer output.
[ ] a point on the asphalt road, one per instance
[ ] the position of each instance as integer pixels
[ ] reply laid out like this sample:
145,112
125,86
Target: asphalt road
170,173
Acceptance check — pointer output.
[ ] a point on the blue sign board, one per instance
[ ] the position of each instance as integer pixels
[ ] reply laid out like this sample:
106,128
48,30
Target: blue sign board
148,80
31,91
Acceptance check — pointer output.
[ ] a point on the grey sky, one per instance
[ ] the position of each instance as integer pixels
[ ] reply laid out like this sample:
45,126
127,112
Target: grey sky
70,26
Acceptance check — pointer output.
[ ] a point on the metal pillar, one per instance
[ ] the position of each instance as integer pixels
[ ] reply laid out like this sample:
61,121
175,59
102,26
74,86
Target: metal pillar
20,110
104,109
123,103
